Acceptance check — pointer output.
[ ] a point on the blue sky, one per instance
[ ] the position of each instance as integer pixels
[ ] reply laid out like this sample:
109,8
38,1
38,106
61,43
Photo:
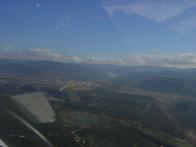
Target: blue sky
100,28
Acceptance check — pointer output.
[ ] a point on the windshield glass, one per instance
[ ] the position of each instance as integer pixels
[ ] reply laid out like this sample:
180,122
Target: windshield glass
97,73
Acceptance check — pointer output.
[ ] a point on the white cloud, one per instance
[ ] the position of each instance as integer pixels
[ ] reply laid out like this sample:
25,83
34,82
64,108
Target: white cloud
186,26
181,60
157,10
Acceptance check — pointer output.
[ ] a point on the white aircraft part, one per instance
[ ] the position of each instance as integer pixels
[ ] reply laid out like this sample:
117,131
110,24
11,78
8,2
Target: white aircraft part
36,107
2,144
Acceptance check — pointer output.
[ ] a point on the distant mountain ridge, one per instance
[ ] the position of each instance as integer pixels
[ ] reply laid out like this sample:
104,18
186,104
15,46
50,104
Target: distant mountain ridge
49,70
182,81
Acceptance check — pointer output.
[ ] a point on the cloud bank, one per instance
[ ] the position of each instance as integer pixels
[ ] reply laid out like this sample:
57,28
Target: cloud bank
181,60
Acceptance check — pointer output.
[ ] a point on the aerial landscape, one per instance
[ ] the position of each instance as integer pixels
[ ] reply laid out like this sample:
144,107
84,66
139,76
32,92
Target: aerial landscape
144,106
97,73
